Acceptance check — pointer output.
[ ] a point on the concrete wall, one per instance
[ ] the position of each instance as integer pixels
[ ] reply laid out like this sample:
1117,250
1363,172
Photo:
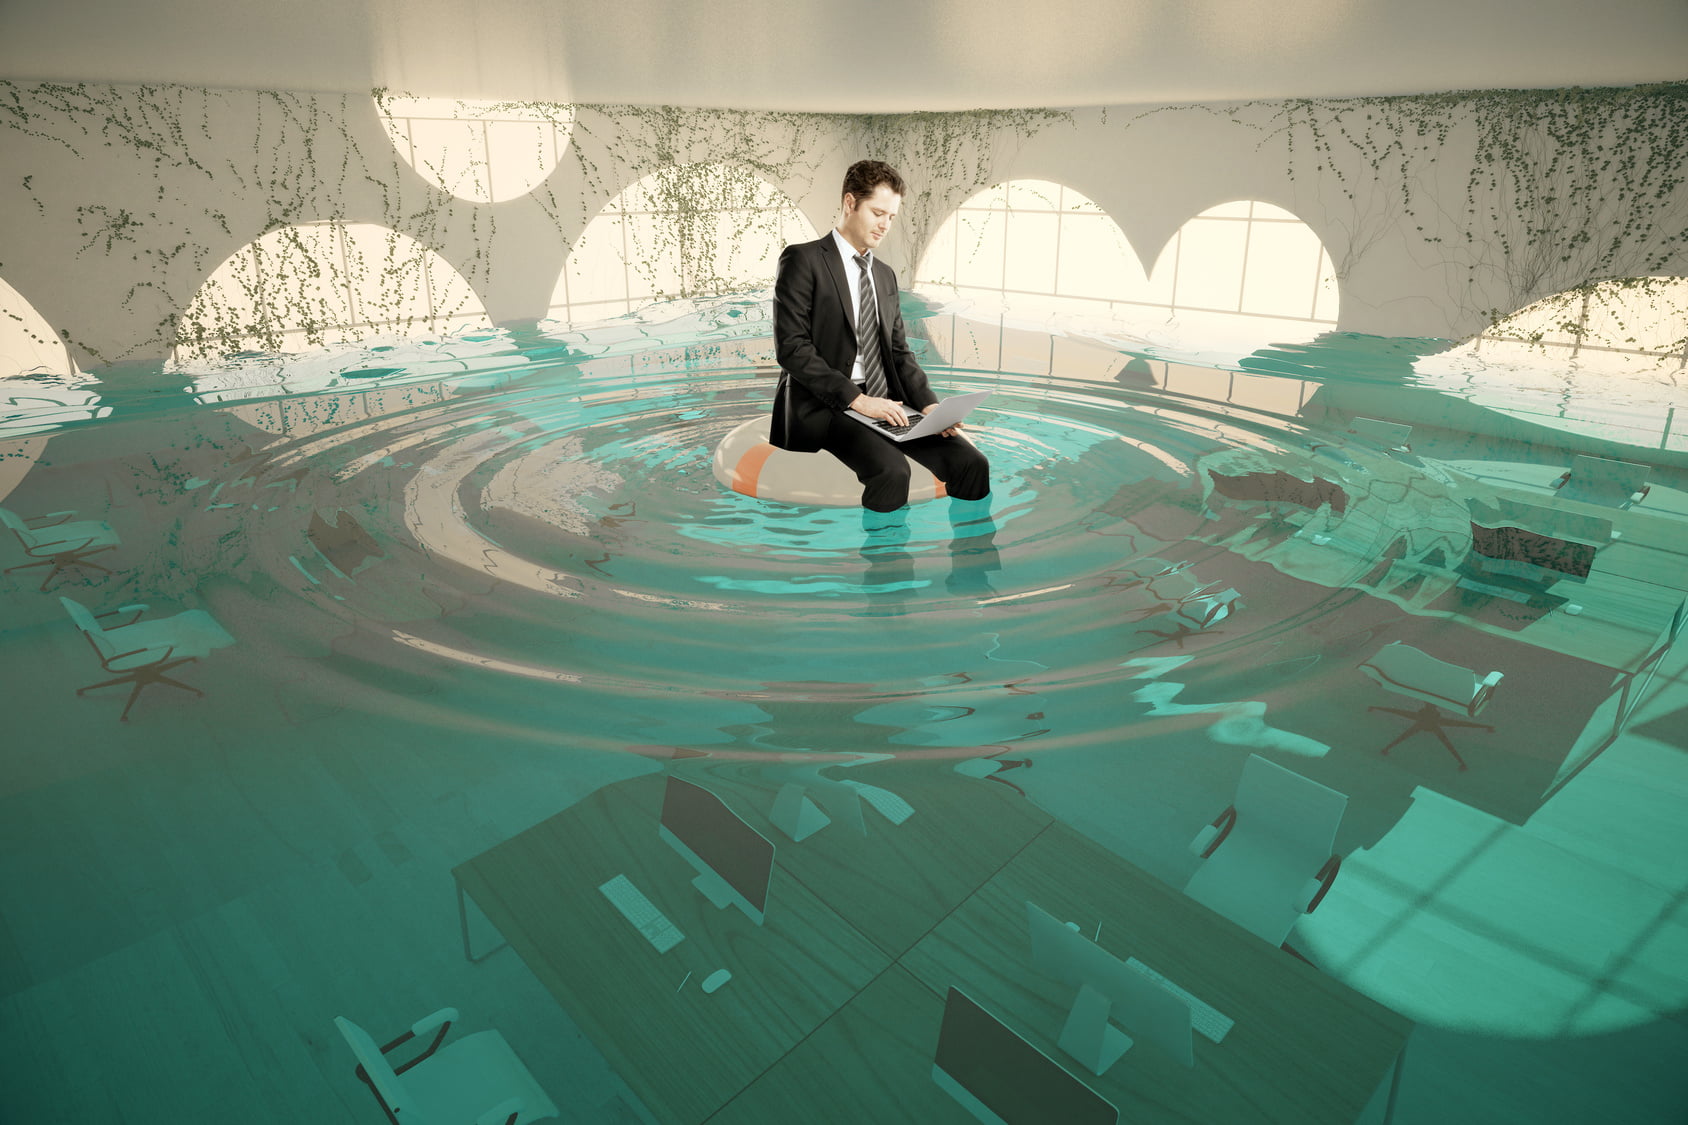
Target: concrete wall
116,202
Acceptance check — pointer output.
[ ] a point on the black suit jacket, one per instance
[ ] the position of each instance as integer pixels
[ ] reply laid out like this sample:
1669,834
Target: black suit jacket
815,342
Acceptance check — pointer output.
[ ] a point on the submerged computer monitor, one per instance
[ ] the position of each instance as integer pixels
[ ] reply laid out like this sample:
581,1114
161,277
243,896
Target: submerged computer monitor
734,862
1534,549
810,800
1109,992
1001,1079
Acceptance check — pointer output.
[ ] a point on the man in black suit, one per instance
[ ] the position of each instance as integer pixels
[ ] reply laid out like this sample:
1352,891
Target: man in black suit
825,289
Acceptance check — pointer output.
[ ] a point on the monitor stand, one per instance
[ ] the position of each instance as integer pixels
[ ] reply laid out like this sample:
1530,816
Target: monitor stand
795,814
716,889
804,807
1088,1036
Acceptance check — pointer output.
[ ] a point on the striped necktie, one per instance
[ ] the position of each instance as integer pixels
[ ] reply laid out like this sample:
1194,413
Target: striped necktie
867,335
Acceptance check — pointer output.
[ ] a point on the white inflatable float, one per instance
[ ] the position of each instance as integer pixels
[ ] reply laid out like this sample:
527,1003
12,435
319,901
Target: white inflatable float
746,462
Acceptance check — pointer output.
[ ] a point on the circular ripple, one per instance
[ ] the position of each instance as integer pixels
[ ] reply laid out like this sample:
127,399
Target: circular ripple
551,541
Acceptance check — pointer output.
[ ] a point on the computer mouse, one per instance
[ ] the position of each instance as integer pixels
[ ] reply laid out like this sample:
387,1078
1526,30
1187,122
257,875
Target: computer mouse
716,980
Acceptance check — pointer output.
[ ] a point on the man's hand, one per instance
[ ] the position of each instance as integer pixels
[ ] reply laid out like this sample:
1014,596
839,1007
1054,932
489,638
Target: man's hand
884,409
953,431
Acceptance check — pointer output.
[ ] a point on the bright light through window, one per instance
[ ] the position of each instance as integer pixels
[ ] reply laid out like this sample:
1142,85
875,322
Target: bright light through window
694,230
1635,324
320,284
28,344
484,152
1036,239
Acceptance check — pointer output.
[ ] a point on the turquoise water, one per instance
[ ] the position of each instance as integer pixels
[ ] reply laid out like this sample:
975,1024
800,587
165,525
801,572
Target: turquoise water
472,581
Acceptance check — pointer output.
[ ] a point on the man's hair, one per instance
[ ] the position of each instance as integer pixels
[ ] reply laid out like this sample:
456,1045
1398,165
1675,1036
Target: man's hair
863,178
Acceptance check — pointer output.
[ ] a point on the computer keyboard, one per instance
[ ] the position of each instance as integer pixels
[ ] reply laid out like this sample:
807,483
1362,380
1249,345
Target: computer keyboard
652,923
1204,1017
889,804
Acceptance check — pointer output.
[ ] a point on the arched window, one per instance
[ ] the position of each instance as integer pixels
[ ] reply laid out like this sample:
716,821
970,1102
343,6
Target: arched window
28,344
320,284
1030,239
1636,323
1251,259
43,391
693,230
484,152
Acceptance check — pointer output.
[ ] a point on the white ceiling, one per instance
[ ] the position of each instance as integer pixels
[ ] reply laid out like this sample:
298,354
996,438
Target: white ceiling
851,55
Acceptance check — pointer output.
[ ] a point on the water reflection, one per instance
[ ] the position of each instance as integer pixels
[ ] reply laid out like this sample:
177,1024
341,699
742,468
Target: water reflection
512,549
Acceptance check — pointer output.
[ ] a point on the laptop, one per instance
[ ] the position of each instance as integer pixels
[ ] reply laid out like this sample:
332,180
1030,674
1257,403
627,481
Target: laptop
944,415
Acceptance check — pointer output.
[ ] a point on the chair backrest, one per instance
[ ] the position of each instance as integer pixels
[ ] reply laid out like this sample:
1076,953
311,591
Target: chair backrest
11,520
1145,568
1384,433
1401,667
1599,480
1280,803
1206,610
84,620
388,1086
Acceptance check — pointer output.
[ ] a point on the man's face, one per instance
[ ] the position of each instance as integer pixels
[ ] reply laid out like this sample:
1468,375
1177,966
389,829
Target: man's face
867,221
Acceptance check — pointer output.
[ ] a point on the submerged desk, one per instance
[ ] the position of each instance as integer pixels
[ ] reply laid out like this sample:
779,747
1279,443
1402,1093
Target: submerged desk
832,1014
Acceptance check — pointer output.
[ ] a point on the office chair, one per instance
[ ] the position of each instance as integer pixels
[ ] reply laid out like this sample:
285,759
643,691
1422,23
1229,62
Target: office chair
1140,572
1270,856
1597,480
478,1080
1389,435
59,544
1405,670
142,652
1197,611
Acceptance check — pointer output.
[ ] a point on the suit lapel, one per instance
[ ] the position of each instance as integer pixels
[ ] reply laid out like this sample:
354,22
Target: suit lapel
835,270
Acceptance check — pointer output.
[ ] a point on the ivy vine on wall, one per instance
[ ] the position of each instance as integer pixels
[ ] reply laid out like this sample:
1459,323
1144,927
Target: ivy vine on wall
1515,194
1520,194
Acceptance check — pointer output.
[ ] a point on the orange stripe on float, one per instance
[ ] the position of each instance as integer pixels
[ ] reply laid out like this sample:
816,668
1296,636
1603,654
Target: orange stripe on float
749,468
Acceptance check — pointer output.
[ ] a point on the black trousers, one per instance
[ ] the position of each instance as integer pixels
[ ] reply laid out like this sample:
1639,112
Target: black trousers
880,464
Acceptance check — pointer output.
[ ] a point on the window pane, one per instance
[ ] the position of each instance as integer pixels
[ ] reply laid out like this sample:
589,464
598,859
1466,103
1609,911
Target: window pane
1096,260
452,156
1033,195
1032,240
1283,269
979,248
1210,265
937,267
520,155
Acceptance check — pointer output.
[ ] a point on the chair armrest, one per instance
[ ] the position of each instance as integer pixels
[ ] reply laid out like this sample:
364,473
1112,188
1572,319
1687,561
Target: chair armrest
137,610
1207,841
441,1020
36,524
1484,689
1319,886
59,545
428,1023
504,1113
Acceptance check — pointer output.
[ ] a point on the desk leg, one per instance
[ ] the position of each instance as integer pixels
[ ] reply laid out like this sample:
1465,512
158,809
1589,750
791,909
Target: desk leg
1395,1085
463,918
